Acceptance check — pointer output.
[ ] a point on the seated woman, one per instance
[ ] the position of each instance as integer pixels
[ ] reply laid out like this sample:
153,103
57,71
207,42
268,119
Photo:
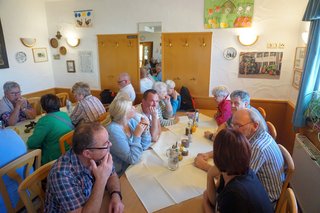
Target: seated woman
220,95
164,108
88,108
238,189
13,107
12,147
49,129
175,98
128,137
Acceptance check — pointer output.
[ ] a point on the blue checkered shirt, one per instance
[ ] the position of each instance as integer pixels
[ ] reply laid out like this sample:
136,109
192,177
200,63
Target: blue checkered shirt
69,184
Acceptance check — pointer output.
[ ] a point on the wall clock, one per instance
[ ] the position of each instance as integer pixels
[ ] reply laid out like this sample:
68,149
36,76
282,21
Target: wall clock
229,53
21,57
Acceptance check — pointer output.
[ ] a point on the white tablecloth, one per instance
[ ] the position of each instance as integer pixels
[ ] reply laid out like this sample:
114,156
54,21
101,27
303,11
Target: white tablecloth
158,187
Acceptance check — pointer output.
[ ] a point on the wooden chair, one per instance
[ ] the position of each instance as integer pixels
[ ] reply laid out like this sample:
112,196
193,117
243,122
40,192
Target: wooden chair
63,96
32,184
65,138
102,117
290,203
289,169
35,103
26,161
272,130
262,112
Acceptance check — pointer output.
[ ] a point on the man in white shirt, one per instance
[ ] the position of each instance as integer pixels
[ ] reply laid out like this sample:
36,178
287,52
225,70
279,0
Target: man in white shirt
145,82
126,86
148,109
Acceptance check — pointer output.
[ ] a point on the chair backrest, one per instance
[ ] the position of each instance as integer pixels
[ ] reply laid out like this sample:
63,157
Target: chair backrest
26,161
63,96
32,184
262,112
102,117
35,103
66,138
290,203
272,130
289,169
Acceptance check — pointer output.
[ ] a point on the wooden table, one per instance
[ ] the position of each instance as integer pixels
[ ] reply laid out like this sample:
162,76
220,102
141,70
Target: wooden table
133,204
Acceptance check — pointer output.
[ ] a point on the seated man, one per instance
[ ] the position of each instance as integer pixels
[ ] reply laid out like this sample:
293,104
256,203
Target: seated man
78,180
13,107
266,159
148,109
145,82
126,86
240,99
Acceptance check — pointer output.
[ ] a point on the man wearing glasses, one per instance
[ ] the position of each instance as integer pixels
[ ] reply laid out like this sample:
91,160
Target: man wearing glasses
78,180
266,159
13,107
125,86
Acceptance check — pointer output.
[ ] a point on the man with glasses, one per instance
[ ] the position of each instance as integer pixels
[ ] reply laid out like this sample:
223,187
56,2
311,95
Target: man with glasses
266,159
78,180
13,107
125,86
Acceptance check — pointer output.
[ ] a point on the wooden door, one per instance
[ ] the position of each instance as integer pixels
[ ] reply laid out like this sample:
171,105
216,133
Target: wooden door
186,60
118,53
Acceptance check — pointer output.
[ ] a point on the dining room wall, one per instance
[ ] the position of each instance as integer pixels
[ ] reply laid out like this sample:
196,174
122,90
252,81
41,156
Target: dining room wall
23,18
276,21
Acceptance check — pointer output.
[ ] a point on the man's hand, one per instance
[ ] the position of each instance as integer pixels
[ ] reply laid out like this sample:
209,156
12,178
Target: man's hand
103,171
115,205
153,112
21,103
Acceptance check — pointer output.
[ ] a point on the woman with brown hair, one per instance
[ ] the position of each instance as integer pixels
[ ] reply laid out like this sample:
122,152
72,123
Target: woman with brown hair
238,188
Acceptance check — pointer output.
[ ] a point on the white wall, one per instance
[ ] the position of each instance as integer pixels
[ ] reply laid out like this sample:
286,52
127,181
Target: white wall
21,18
275,21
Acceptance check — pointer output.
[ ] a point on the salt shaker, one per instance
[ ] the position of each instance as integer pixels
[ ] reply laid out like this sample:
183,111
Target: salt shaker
69,106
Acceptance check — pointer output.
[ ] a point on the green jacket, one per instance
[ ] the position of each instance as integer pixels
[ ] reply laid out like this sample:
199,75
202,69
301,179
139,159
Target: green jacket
46,135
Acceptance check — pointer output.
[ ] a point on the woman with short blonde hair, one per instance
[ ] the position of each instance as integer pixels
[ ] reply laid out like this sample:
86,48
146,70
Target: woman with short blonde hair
129,137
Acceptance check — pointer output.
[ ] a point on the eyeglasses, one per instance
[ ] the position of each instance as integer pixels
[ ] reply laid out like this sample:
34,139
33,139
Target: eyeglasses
103,147
119,82
15,93
237,126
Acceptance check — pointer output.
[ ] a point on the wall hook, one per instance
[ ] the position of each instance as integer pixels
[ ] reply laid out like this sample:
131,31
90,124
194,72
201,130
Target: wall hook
203,43
117,44
186,44
170,44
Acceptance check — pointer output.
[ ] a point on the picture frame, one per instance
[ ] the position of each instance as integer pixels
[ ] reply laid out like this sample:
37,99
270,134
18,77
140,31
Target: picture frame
40,54
71,66
3,52
299,58
296,81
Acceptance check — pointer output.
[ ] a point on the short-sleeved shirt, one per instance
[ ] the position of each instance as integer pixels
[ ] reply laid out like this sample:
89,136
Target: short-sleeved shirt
6,108
129,90
88,109
69,184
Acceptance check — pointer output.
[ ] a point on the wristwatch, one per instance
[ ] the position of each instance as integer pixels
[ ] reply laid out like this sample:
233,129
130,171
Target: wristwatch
117,192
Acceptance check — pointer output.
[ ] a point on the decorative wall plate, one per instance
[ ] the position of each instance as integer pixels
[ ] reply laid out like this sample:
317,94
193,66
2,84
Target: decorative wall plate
54,42
230,53
63,50
21,57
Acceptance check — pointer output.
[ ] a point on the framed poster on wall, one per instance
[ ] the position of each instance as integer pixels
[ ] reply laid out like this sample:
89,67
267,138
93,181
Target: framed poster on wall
3,52
296,78
299,57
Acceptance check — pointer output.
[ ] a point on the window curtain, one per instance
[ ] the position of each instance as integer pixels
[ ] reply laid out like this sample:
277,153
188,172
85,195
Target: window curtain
311,75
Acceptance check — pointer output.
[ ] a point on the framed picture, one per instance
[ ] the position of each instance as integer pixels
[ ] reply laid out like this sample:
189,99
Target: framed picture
3,53
70,66
40,54
299,58
296,78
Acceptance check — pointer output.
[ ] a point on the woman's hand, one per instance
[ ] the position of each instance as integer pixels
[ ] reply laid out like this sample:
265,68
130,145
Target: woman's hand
140,129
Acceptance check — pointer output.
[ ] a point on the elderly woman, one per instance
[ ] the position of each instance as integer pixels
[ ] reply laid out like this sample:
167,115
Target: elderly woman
165,108
13,107
220,95
175,98
88,108
238,188
129,137
49,129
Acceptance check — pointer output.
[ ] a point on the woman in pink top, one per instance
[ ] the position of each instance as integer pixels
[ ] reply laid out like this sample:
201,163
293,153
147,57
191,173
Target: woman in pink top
221,94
